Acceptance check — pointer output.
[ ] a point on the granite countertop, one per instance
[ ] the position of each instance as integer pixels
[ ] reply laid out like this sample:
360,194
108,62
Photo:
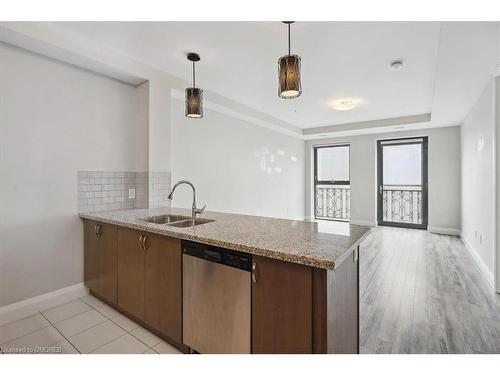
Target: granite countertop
323,245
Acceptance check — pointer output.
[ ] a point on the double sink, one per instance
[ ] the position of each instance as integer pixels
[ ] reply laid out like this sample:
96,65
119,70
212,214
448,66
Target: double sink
178,221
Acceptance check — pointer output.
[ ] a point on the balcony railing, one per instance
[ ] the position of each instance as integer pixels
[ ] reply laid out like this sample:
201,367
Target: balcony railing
333,202
402,204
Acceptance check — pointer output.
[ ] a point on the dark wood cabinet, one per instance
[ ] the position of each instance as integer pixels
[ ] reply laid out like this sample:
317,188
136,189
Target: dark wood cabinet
294,308
131,263
138,273
281,307
300,309
91,256
100,260
150,280
163,285
108,264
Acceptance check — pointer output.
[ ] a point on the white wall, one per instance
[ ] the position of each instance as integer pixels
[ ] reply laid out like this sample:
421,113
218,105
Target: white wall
497,177
55,119
236,166
159,125
142,157
478,180
443,176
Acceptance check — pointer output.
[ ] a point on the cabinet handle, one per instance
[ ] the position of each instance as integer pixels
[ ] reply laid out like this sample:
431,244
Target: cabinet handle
254,272
140,241
145,244
98,229
95,229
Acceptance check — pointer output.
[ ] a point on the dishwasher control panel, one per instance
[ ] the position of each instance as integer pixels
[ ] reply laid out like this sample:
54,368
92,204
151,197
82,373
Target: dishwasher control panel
227,257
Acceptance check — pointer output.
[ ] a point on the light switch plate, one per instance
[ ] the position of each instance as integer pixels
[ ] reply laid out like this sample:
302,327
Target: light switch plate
131,193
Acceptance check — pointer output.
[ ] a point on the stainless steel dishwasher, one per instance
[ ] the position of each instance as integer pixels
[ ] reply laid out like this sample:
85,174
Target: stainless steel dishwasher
216,300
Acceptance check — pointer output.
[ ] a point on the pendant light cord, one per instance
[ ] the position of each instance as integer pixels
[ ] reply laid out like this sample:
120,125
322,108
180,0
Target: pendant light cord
194,77
288,39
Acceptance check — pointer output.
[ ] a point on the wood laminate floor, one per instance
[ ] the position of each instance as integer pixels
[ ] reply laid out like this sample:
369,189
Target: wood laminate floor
423,293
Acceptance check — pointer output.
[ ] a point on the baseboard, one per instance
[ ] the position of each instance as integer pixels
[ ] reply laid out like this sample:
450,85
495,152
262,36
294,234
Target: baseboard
30,306
300,218
442,230
364,223
488,275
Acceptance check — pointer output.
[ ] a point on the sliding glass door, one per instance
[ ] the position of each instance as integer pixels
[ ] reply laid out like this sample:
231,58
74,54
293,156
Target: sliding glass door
332,193
402,182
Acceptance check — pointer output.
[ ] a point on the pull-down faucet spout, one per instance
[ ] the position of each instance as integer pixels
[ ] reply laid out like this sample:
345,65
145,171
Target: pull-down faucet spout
194,210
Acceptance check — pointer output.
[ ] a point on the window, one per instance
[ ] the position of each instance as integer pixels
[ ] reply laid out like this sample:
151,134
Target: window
402,164
332,183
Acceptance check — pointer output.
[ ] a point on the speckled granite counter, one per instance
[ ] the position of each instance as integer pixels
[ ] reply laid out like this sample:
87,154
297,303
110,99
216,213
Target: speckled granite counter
322,245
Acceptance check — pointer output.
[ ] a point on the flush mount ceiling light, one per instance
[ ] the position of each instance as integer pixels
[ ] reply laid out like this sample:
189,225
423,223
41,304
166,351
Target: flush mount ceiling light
345,104
397,64
194,95
289,85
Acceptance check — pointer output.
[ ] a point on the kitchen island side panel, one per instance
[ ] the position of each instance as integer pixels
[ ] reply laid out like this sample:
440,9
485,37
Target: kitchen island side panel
343,307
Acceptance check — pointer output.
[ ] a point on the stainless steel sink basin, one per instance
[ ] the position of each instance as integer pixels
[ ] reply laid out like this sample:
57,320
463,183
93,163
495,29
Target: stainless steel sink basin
190,222
178,221
166,219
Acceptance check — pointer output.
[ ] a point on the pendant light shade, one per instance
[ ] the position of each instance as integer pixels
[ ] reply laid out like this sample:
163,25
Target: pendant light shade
289,76
194,95
289,85
194,102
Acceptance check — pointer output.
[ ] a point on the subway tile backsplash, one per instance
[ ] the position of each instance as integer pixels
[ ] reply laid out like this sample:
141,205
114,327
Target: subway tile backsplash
102,191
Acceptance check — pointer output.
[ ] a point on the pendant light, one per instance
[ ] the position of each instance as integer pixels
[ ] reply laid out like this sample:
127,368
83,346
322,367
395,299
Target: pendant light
194,95
289,85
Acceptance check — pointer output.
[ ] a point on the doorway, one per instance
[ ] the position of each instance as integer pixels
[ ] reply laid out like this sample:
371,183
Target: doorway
402,182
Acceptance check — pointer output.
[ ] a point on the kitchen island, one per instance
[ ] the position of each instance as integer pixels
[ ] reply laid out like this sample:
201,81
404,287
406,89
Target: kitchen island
303,296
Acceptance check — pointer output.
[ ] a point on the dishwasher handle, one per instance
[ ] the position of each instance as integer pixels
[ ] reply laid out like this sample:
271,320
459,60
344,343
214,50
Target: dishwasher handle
254,272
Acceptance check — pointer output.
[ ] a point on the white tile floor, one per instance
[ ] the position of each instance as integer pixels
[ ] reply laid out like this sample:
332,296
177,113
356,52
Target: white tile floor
85,325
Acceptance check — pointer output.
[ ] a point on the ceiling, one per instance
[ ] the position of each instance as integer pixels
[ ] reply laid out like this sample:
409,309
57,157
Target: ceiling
447,65
339,59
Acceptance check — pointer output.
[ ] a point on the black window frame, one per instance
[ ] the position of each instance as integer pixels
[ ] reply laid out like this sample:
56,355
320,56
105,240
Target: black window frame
424,142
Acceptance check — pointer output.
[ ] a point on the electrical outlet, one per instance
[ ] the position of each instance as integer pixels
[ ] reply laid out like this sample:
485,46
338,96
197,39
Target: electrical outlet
131,193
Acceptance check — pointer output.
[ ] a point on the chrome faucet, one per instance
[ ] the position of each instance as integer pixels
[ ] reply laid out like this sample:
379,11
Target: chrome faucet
195,210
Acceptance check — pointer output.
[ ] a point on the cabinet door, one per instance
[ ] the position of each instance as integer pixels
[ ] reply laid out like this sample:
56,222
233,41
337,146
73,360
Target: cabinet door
91,256
100,263
131,259
108,274
281,307
163,285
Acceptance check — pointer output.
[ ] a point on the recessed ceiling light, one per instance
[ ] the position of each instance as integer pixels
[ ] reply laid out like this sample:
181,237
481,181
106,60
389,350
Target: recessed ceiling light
345,104
397,64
